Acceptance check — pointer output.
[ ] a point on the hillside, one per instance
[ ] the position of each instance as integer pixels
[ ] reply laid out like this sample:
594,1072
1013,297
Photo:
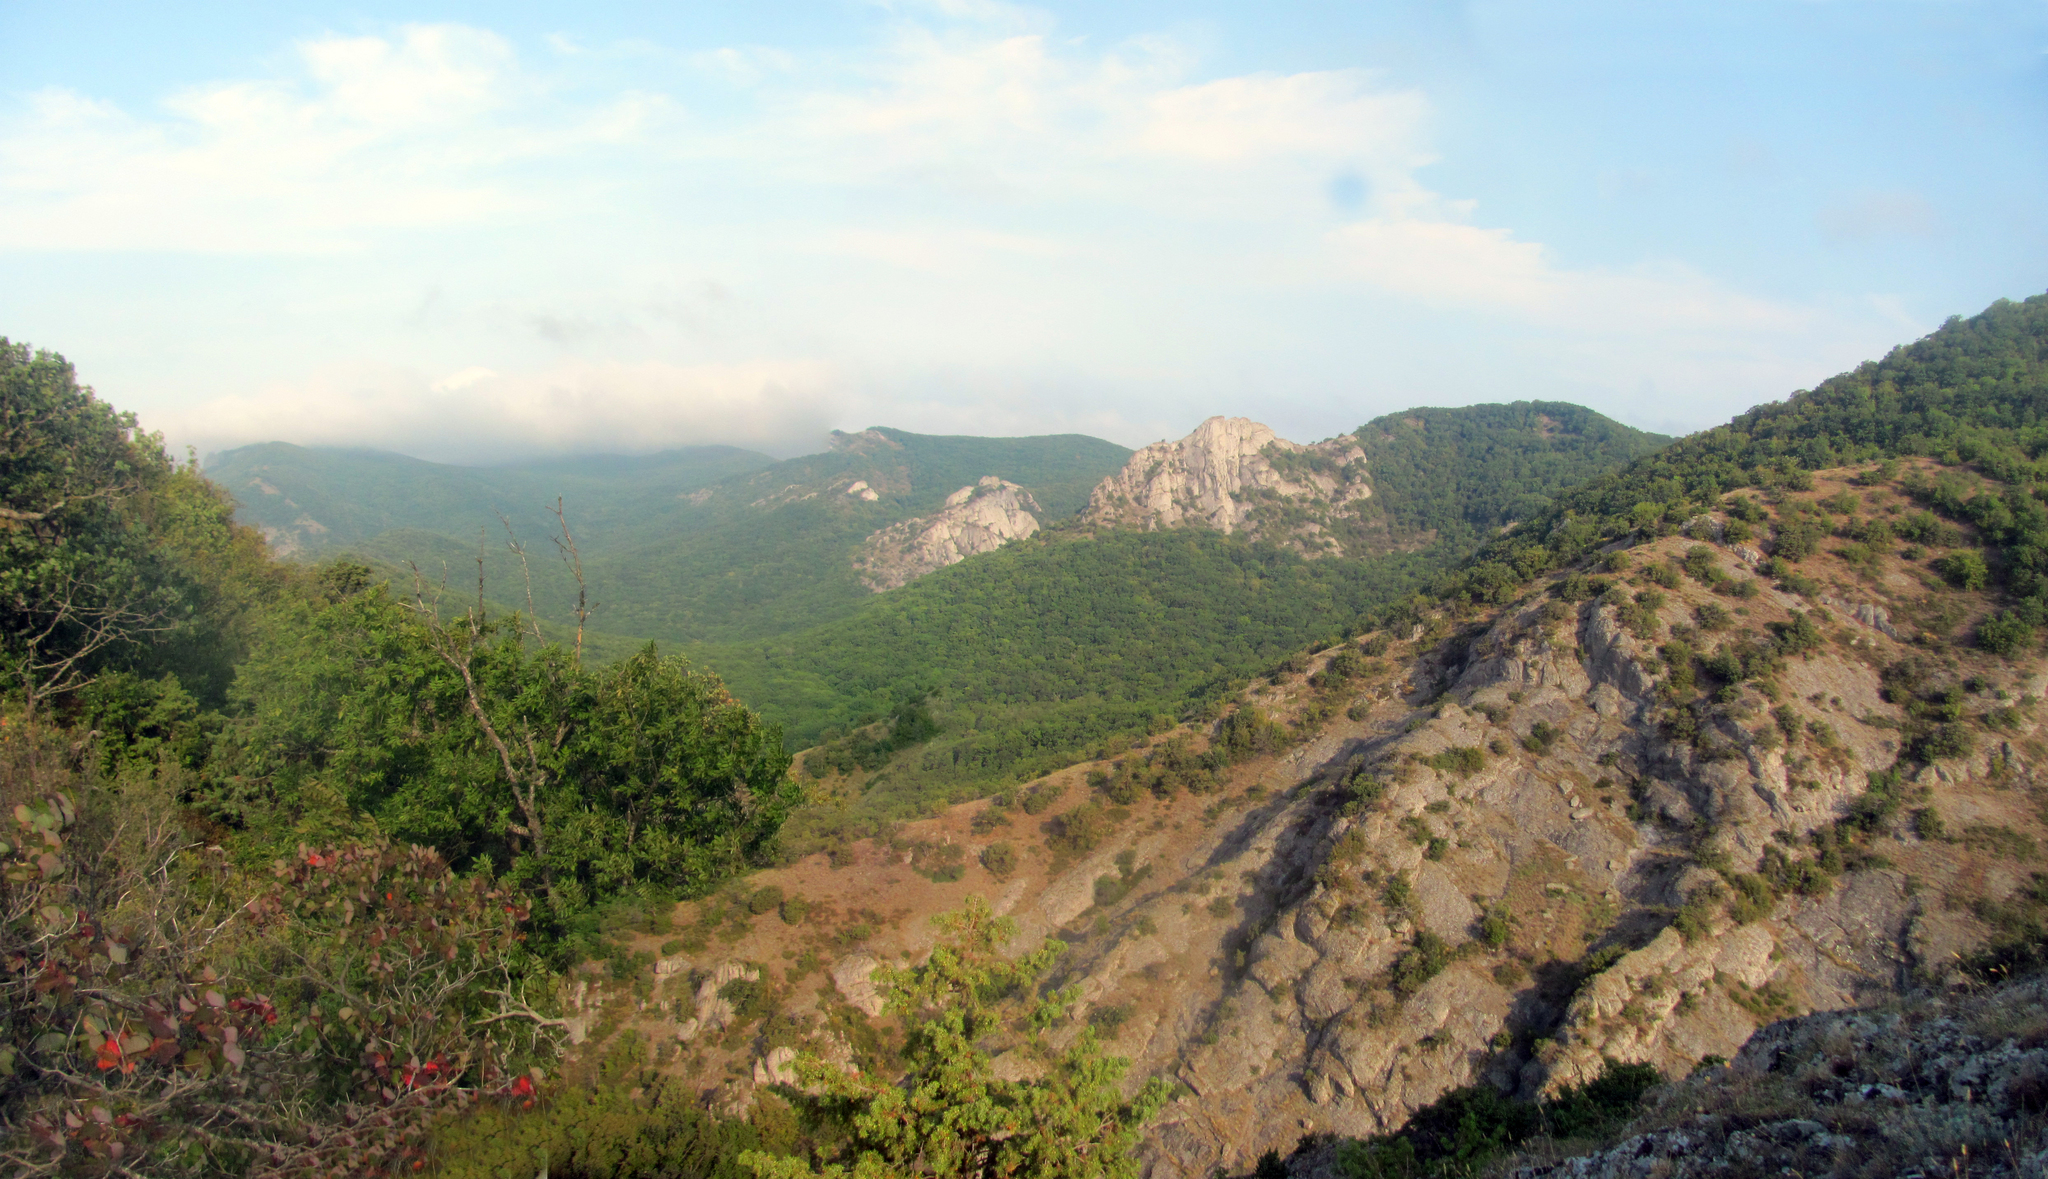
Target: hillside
1202,563
1403,481
1768,744
707,544
314,502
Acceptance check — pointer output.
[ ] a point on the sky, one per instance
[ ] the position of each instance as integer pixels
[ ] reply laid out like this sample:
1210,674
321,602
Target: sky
483,232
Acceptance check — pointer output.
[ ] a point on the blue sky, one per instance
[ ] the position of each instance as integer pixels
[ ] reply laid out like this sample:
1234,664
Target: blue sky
476,232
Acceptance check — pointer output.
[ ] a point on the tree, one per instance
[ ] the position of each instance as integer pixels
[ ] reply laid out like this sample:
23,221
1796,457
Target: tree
952,1116
74,562
461,734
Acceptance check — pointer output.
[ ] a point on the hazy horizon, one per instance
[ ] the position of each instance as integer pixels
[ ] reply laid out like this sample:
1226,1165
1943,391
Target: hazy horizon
473,233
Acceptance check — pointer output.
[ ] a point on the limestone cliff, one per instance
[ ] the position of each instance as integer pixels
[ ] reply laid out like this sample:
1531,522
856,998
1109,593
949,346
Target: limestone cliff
1235,475
976,519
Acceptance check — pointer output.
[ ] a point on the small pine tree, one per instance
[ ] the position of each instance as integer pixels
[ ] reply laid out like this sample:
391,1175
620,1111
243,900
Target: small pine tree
952,1117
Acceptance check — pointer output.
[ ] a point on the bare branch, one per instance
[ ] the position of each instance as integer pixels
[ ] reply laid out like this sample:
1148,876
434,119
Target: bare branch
567,544
526,574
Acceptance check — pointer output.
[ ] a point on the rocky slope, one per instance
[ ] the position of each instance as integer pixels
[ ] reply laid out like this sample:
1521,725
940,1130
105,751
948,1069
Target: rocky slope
979,518
1630,814
1936,1085
1235,475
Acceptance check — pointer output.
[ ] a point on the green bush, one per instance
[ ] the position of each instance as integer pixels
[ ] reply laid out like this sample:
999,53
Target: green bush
2005,634
1000,859
1965,569
1040,798
1462,760
627,1127
1424,959
765,900
794,910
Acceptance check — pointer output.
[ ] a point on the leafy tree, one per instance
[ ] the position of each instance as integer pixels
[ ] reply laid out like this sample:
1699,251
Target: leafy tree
464,736
953,1116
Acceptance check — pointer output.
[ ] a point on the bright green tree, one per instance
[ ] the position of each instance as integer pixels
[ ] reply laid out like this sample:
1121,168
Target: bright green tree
952,1115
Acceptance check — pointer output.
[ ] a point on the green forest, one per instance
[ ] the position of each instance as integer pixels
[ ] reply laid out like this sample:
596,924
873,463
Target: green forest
295,856
1973,393
1031,657
711,544
292,859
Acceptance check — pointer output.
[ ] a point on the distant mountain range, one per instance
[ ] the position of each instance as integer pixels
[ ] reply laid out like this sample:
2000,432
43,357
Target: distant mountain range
1043,592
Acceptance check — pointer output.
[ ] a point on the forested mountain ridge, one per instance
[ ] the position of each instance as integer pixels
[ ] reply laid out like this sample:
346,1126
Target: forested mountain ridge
1765,738
1735,737
704,544
1202,563
1402,481
314,502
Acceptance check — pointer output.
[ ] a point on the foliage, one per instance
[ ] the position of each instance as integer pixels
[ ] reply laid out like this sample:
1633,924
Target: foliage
461,736
1461,1131
1463,473
631,1123
704,544
953,1115
112,557
1968,393
153,1021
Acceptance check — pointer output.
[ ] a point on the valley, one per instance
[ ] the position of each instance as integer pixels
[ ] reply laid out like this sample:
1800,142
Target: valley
1477,792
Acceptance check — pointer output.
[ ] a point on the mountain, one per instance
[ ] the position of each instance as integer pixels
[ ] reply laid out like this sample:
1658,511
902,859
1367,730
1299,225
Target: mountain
1747,729
1200,564
312,502
1400,481
706,544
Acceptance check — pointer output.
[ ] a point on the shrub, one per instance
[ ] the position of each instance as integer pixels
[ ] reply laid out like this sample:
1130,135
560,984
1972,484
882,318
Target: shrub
794,910
1000,859
951,1111
1078,831
1964,569
766,899
1398,895
1424,959
1799,636
1928,824
2005,634
1040,798
1463,760
1246,734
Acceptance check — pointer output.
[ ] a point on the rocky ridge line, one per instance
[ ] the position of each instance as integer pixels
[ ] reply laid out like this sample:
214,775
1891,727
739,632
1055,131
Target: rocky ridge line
1229,474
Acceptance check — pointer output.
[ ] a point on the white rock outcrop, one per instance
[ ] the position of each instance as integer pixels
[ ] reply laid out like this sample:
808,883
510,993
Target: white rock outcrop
978,518
1221,475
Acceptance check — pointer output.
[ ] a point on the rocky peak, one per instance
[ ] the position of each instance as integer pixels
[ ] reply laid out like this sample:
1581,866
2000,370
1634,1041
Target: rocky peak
978,518
1230,474
868,441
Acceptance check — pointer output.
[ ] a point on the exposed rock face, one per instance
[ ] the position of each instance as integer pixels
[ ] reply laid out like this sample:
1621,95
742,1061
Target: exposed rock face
1589,843
976,519
1230,475
1924,1088
1516,848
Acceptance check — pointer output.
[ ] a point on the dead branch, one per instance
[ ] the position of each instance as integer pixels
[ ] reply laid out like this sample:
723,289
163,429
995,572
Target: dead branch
567,544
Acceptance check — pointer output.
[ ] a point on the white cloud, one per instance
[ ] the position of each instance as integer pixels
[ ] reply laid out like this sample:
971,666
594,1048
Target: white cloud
475,414
616,260
1459,265
374,134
